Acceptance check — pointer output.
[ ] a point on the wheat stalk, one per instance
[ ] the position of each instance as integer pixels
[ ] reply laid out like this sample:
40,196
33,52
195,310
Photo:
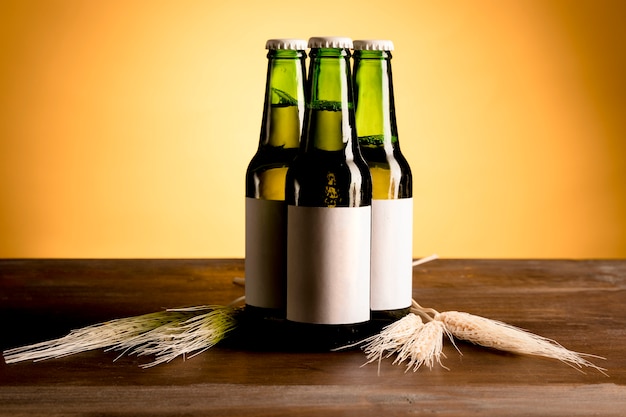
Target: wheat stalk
424,347
417,339
505,337
96,336
390,339
186,338
502,336
167,334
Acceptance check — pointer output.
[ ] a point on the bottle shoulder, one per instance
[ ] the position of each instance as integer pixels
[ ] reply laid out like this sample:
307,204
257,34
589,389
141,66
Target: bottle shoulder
271,157
380,156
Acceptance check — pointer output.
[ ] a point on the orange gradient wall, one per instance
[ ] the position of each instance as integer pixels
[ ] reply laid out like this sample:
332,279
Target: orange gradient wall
126,126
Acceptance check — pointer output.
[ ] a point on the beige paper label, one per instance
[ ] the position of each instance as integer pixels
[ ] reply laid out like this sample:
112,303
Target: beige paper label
328,264
265,263
392,254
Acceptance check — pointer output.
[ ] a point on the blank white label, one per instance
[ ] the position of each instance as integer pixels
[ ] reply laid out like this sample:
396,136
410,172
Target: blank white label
328,264
265,262
392,254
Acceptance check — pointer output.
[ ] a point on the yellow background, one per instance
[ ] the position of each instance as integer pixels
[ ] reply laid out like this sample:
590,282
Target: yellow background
126,126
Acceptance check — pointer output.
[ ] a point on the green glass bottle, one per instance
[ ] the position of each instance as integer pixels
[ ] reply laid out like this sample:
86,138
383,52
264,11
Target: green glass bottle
328,192
266,211
392,195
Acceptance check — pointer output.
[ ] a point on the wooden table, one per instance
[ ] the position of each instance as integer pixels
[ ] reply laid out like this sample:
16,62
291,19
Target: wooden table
581,304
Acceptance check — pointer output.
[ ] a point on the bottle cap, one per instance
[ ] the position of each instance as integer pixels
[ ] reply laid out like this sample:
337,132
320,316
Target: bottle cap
330,42
286,43
373,45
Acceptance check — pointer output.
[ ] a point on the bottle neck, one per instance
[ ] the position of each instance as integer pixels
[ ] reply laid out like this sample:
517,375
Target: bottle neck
330,108
283,112
374,100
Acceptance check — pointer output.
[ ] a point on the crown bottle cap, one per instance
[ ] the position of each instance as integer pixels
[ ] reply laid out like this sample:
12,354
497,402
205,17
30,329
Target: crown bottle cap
373,45
330,42
286,43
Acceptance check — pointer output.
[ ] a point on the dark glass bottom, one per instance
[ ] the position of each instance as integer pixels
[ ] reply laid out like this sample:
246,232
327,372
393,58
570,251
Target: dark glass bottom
325,337
259,329
268,330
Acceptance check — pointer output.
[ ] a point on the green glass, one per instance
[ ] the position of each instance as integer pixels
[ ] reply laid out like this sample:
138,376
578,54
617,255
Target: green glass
281,126
329,170
376,125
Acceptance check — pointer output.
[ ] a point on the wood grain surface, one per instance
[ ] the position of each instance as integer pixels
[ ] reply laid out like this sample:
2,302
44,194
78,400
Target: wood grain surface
579,303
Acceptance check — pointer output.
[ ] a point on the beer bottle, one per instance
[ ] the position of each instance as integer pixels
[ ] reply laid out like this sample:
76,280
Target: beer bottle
328,193
266,211
392,202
